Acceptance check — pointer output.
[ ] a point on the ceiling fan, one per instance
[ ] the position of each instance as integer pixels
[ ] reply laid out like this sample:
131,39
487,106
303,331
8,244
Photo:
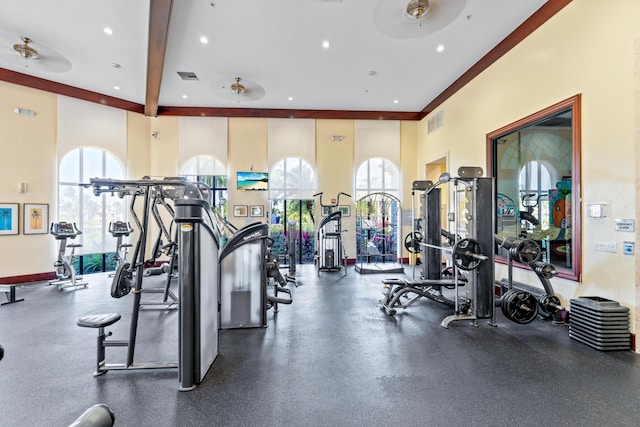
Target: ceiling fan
415,18
240,90
31,55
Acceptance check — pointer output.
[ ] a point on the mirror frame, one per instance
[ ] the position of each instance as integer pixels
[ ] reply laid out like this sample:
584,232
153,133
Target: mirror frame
574,103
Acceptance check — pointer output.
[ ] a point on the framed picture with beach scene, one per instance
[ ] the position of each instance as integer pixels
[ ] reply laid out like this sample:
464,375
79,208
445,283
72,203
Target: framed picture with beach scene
36,218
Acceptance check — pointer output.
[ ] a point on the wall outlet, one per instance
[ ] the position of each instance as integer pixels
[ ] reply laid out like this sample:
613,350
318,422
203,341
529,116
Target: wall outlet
605,246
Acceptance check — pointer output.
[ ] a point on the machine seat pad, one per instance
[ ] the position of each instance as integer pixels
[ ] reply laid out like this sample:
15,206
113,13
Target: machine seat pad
98,320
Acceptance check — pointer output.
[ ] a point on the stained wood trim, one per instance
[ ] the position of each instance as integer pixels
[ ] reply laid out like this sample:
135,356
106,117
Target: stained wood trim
575,102
66,90
542,15
159,16
284,113
15,280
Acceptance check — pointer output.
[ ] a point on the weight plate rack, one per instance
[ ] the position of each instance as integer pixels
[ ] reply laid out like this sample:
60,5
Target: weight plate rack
600,323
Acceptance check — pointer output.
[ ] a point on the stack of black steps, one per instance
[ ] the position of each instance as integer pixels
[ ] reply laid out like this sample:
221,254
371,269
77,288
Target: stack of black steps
600,323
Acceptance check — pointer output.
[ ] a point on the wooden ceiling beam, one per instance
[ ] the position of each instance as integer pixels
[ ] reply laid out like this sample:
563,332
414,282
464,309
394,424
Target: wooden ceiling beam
159,15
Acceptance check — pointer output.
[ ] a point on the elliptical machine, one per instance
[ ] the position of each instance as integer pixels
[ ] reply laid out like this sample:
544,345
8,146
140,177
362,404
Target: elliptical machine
65,272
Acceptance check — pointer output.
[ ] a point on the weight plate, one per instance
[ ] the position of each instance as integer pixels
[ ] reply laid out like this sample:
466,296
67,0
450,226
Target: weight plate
550,304
463,254
412,242
519,306
528,251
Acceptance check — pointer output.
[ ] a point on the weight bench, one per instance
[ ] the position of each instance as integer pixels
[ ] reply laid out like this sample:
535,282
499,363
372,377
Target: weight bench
10,293
101,321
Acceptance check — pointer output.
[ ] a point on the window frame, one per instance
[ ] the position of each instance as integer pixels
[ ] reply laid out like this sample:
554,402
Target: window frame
574,103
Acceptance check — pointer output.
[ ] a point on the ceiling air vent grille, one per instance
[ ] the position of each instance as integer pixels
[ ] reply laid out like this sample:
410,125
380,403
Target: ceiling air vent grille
435,122
187,75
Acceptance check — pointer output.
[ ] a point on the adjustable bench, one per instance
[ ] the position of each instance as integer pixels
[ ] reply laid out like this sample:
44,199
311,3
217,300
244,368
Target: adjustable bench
10,293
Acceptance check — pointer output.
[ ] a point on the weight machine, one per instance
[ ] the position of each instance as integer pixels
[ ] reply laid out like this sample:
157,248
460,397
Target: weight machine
129,275
330,254
65,272
469,249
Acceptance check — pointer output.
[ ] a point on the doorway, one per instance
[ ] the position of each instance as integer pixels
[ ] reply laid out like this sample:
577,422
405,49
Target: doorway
287,215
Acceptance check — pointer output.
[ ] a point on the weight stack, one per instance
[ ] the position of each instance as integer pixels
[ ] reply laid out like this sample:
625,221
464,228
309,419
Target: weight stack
600,323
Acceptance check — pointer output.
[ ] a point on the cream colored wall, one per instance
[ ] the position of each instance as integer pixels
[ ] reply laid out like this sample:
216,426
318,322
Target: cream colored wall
587,48
28,153
409,173
335,172
247,149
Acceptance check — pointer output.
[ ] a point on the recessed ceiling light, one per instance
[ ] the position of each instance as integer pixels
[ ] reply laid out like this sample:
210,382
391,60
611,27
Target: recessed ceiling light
204,39
116,65
440,48
108,31
116,87
395,101
184,96
326,44
290,98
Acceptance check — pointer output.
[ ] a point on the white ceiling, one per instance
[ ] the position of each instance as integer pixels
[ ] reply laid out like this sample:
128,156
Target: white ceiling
273,45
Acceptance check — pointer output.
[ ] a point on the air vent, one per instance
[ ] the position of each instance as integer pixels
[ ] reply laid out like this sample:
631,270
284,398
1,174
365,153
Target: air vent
187,75
435,122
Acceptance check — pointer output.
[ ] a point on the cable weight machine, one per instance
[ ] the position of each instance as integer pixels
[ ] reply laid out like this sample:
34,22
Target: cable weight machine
330,254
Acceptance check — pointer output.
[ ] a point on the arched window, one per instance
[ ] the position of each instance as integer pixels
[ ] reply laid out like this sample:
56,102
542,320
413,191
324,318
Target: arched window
92,214
292,178
211,171
377,175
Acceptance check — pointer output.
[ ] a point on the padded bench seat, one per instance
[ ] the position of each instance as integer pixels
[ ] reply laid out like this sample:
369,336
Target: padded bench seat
98,320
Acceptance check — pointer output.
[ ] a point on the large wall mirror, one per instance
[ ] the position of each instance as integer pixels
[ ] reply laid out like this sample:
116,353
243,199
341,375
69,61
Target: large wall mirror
536,163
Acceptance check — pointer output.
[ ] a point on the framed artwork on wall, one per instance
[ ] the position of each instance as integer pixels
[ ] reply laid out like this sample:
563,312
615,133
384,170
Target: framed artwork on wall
35,218
240,210
257,210
8,218
346,210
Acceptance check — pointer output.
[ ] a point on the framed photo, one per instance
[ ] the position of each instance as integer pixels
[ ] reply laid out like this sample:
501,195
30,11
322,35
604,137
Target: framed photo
257,210
326,210
240,210
35,218
8,218
346,210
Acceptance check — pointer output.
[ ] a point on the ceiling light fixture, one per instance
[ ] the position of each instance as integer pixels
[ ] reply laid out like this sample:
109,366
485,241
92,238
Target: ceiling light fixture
417,8
326,44
204,39
440,48
26,51
108,31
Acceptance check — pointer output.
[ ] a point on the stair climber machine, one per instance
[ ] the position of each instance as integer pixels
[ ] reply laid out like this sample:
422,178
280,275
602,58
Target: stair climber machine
468,249
330,253
199,278
65,272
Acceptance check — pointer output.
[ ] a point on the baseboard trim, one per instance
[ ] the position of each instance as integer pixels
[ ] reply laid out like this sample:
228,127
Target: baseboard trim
27,278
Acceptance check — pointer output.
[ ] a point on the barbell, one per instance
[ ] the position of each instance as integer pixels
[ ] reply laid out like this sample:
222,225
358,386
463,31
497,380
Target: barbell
467,253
